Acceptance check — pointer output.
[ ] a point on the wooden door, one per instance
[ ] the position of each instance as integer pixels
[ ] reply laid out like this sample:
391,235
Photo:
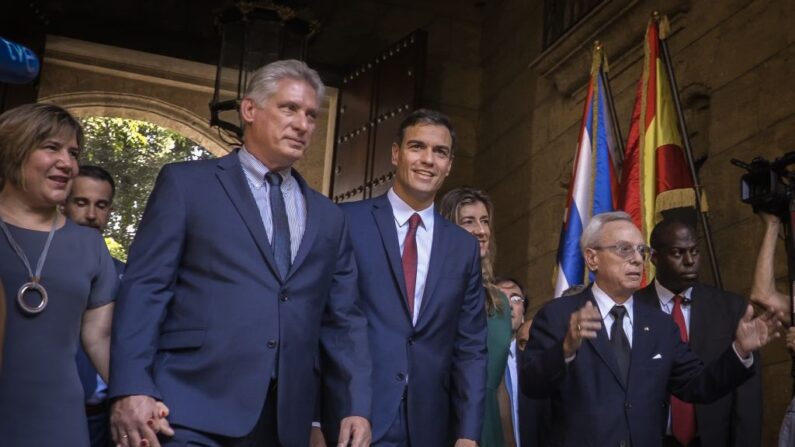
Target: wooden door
374,99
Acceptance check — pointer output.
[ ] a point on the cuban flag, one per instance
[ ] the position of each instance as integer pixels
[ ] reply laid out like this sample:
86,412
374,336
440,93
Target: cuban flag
594,185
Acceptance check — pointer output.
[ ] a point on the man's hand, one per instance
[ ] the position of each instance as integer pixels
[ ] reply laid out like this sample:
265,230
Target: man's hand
791,338
753,333
770,220
136,421
354,432
466,443
316,438
583,324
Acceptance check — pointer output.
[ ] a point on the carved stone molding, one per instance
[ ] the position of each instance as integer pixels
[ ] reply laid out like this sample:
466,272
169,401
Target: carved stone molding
153,110
619,25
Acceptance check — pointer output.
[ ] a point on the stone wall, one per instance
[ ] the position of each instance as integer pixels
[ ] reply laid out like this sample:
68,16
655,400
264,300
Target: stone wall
734,64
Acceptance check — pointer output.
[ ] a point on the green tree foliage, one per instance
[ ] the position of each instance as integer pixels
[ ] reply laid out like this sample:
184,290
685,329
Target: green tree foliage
133,152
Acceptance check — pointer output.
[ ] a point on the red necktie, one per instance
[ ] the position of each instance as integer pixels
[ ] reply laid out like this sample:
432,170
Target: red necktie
683,415
410,261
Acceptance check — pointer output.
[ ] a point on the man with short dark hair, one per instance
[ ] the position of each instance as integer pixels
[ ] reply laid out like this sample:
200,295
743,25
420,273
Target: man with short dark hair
420,281
710,317
90,201
609,361
90,204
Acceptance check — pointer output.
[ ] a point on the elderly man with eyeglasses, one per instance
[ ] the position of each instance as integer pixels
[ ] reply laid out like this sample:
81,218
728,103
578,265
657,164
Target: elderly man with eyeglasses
609,363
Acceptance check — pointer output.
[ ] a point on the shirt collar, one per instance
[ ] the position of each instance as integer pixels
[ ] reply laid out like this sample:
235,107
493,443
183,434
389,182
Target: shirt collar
402,211
606,303
666,295
255,170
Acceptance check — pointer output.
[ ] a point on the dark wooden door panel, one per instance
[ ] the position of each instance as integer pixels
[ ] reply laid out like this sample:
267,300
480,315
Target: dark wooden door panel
351,166
374,99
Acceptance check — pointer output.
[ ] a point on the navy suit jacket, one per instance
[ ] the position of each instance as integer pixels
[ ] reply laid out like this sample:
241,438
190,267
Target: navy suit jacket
204,320
444,355
735,419
533,415
591,404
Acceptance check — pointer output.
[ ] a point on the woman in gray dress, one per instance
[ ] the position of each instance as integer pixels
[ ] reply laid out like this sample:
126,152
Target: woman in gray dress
58,279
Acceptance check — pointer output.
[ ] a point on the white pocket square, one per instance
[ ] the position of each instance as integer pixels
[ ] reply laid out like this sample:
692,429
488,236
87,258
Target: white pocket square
657,356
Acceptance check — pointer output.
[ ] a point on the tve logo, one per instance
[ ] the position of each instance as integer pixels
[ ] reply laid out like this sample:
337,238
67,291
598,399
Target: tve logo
18,64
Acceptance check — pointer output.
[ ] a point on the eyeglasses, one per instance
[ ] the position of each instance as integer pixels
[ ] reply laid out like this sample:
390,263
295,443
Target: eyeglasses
627,251
516,299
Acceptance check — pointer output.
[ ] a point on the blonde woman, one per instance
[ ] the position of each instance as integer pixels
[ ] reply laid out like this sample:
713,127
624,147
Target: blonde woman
472,210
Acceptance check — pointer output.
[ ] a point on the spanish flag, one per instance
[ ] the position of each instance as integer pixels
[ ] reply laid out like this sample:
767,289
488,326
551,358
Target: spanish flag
655,175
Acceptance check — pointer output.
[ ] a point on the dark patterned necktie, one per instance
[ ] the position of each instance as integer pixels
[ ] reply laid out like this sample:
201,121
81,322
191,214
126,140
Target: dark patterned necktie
280,238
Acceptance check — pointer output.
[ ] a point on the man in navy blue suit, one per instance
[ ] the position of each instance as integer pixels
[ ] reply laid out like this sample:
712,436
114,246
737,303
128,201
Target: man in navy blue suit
421,287
609,362
240,274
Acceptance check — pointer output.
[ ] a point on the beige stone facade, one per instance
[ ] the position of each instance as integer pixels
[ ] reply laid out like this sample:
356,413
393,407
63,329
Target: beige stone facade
735,66
517,109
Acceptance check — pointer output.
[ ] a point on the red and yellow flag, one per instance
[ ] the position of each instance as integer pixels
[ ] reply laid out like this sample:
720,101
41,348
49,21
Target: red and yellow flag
655,175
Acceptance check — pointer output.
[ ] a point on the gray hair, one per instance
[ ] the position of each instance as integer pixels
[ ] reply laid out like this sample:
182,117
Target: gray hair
592,232
262,84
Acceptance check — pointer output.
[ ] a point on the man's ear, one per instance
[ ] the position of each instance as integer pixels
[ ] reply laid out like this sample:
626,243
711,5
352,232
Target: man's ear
248,109
395,154
591,260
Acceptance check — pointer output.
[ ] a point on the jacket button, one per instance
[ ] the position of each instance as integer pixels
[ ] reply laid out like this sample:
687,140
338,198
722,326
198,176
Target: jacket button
272,344
627,405
400,377
283,297
411,340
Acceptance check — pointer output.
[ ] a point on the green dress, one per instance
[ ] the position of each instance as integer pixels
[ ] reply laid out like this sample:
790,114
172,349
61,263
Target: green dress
499,342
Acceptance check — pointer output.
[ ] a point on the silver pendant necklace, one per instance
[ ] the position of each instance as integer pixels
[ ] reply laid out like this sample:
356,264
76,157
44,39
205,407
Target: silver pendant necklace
34,283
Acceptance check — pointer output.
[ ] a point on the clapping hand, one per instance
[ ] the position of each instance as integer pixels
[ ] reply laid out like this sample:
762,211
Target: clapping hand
754,333
583,324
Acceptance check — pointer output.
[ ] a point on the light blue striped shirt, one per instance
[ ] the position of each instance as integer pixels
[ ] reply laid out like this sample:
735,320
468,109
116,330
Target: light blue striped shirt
291,191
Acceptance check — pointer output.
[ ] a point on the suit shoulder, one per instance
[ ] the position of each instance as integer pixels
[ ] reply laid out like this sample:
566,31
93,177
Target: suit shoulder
720,298
564,305
356,208
190,169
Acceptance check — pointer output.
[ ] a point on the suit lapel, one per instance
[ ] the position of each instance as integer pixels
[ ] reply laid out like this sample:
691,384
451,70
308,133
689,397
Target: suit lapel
601,344
699,314
642,337
310,231
234,182
385,221
436,263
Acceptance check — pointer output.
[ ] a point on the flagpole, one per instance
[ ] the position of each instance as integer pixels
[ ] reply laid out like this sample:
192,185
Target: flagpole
689,155
611,106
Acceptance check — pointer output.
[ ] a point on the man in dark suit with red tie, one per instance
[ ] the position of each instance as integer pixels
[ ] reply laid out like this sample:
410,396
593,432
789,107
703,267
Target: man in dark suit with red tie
707,318
608,361
421,288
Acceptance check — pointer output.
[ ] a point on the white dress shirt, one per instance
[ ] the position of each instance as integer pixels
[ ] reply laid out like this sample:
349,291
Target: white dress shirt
667,302
605,303
514,391
294,202
402,212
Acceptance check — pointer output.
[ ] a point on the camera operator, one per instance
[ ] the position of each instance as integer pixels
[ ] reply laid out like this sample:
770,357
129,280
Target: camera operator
764,293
